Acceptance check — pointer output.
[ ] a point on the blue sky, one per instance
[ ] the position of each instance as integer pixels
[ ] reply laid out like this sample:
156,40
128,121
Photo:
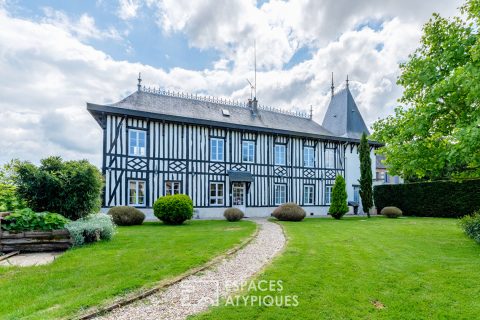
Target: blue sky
60,54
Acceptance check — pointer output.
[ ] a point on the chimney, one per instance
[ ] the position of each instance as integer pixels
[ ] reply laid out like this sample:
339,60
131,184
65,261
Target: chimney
253,105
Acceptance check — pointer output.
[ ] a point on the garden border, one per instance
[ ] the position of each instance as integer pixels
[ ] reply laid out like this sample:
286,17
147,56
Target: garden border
169,282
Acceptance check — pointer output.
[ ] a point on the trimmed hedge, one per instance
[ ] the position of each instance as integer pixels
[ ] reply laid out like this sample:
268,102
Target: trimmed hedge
126,216
430,199
233,214
289,212
173,209
391,212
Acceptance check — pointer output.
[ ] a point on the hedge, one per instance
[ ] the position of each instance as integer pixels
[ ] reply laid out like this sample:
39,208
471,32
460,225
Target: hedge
430,199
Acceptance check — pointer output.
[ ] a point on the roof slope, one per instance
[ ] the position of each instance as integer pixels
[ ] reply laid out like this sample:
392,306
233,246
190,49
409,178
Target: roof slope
343,118
191,110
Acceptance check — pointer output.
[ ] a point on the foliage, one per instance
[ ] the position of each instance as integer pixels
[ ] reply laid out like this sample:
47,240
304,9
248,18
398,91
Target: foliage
289,212
339,205
28,220
233,214
137,258
471,226
71,188
436,134
9,201
92,228
423,263
391,212
366,192
173,209
431,199
126,216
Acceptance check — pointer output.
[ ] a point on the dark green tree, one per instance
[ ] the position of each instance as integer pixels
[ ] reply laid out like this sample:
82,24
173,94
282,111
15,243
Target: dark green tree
435,133
366,191
339,205
71,188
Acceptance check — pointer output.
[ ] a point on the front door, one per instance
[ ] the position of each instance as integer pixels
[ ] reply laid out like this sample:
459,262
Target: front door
238,195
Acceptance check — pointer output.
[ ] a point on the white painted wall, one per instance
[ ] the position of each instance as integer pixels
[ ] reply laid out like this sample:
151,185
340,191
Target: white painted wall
352,171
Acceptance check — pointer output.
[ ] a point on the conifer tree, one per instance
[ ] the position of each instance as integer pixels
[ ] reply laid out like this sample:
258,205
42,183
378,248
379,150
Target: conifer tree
338,206
366,193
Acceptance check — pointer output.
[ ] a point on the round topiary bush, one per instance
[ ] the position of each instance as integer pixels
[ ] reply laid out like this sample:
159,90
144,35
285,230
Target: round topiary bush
289,212
126,216
391,212
173,209
233,214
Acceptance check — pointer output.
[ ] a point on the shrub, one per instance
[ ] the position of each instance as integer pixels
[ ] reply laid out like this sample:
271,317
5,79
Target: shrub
289,212
391,212
431,199
71,188
173,209
233,214
92,228
28,220
339,205
126,216
471,226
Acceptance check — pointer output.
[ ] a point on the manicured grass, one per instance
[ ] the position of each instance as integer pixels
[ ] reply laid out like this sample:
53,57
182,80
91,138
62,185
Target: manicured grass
416,268
137,257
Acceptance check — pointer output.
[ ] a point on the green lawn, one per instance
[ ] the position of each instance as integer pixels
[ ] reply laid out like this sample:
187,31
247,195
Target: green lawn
416,268
137,257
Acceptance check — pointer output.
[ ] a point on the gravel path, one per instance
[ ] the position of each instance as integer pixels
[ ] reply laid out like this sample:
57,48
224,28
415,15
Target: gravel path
197,292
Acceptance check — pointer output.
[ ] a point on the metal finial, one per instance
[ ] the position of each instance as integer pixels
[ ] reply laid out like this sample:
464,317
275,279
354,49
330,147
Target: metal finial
311,112
139,85
347,80
333,86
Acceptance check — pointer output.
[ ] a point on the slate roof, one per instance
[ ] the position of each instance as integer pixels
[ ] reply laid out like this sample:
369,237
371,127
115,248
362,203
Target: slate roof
240,176
188,109
343,118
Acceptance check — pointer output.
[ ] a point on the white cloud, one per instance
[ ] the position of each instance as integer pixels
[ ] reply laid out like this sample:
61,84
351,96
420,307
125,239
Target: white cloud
49,73
84,28
128,9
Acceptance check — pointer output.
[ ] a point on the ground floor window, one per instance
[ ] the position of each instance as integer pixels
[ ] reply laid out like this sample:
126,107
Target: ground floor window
172,187
308,192
136,192
328,194
280,194
356,194
216,193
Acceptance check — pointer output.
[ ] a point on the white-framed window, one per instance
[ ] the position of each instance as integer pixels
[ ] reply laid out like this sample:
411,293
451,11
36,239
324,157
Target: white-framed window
356,194
216,193
308,194
137,142
172,187
248,151
328,194
279,153
308,157
216,149
329,158
136,193
280,194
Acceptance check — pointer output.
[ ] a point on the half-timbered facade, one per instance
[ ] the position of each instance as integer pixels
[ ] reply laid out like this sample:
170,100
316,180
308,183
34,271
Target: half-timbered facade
225,154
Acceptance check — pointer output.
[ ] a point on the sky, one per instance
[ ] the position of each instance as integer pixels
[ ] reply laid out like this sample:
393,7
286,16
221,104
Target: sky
57,55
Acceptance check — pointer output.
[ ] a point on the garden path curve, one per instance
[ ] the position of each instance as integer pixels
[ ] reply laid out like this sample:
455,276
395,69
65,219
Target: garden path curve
197,292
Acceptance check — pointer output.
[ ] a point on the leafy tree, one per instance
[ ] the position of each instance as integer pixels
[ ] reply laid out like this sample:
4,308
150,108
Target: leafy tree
9,201
339,205
366,188
436,133
71,188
